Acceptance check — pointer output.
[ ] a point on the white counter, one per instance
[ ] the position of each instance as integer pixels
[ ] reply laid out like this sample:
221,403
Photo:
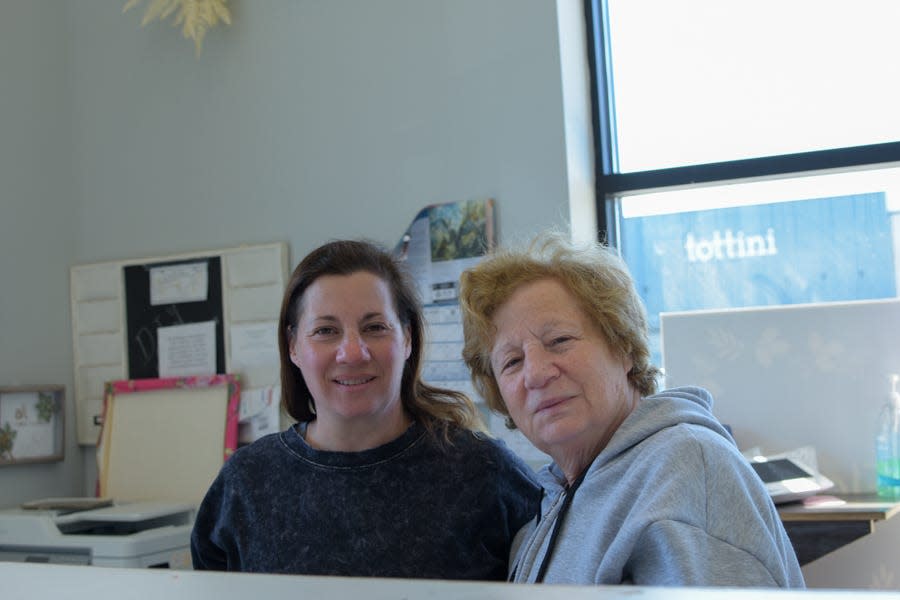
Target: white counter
52,582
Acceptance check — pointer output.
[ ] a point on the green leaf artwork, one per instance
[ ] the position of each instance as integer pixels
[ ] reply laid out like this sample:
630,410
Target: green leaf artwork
46,407
7,438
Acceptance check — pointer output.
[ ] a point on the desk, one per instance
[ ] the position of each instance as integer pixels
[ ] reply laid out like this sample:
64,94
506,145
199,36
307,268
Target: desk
815,532
52,582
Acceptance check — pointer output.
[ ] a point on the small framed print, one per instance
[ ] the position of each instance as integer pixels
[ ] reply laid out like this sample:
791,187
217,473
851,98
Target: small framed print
32,424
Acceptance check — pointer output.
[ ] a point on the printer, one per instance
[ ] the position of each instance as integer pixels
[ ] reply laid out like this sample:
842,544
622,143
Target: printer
153,471
131,534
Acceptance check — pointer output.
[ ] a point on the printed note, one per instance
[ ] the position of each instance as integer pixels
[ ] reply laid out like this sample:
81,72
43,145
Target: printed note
187,349
173,284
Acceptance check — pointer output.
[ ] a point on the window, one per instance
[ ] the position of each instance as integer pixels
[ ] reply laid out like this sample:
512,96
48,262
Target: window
748,153
701,81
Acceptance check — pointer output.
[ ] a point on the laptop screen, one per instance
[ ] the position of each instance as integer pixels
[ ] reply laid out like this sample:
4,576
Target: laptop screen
778,470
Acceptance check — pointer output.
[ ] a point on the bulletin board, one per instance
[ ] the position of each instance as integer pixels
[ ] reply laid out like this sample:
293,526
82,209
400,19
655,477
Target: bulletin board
113,313
165,295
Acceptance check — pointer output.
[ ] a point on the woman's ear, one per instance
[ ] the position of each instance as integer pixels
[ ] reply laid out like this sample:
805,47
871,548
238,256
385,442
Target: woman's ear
292,351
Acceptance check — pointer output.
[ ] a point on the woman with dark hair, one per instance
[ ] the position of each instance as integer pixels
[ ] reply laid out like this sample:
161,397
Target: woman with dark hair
382,475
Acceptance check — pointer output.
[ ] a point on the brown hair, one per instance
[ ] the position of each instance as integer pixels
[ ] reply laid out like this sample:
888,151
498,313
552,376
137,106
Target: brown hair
594,274
434,407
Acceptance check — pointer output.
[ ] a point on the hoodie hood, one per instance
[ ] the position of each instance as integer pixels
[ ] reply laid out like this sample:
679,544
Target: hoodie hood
669,501
676,406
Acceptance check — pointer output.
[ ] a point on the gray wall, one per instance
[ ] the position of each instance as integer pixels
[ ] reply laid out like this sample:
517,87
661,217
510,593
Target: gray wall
38,210
303,121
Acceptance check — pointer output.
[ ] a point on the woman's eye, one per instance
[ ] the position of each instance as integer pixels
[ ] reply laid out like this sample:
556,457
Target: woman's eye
323,331
377,327
509,364
560,340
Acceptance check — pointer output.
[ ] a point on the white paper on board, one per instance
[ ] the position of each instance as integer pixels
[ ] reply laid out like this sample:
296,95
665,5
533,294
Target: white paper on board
187,349
254,345
174,284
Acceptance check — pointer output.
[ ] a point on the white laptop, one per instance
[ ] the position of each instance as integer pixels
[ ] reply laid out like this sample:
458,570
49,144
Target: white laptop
787,480
787,377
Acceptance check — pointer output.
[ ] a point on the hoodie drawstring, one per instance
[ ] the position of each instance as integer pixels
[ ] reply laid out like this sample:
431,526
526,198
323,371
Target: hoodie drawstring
563,511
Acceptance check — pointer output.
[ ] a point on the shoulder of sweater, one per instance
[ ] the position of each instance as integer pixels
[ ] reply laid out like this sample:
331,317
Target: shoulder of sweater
687,438
484,447
679,444
260,447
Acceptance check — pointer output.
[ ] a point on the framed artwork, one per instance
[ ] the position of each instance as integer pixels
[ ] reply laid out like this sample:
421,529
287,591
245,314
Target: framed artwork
166,438
32,424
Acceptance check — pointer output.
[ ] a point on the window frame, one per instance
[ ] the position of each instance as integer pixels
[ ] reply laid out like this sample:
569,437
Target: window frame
610,183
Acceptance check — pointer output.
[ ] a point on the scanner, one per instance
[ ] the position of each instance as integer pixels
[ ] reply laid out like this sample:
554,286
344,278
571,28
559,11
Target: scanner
131,534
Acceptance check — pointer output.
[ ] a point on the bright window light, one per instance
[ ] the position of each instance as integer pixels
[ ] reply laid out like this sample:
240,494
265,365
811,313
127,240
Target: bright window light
702,81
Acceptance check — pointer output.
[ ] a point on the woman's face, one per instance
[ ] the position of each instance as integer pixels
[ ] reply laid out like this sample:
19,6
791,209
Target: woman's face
564,387
351,349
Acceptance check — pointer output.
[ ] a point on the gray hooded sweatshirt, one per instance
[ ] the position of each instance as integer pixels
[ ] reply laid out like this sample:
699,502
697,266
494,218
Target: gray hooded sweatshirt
670,501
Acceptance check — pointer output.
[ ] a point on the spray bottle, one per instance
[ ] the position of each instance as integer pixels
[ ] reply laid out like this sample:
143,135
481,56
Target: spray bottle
887,445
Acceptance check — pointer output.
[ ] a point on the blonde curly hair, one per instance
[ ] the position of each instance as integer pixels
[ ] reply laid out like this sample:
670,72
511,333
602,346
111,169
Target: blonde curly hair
594,274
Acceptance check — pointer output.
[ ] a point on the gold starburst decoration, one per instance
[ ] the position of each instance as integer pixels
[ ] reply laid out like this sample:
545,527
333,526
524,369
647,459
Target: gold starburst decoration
194,16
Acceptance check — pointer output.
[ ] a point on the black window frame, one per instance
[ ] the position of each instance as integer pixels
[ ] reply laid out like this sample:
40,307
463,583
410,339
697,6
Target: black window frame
610,183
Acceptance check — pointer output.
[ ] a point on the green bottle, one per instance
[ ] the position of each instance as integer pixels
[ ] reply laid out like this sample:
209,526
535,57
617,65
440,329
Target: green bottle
887,445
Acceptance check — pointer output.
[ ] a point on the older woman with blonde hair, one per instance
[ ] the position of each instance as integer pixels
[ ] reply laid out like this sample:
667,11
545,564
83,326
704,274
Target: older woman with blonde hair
645,488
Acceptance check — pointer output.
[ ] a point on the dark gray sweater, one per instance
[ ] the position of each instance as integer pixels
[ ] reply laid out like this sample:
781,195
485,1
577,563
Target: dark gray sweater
409,508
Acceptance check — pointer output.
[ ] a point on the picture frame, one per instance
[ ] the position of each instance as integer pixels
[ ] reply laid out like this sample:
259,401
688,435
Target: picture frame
32,424
165,439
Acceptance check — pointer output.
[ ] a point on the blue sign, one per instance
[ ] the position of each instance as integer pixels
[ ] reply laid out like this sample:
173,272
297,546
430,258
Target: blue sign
820,250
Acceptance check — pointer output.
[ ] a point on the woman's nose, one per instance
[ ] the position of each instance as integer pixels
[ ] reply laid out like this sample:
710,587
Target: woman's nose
352,349
540,369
